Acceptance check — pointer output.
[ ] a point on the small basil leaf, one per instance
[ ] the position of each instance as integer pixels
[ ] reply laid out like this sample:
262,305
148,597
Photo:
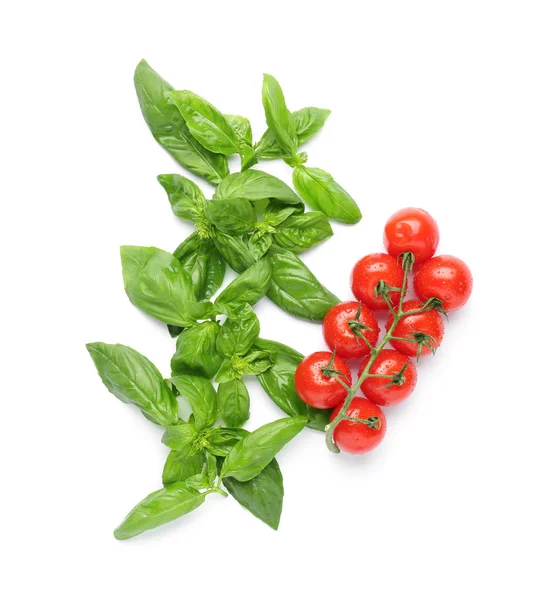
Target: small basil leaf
238,333
241,127
278,383
206,123
234,217
228,371
262,495
302,232
295,289
169,129
250,456
321,192
276,213
233,402
200,394
250,286
259,243
248,157
186,199
257,362
180,466
234,251
254,186
196,352
133,379
220,440
278,117
183,437
158,508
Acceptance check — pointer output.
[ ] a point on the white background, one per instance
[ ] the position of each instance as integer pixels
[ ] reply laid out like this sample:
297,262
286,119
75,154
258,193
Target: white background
449,106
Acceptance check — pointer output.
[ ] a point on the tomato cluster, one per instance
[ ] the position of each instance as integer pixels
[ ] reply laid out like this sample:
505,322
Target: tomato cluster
351,330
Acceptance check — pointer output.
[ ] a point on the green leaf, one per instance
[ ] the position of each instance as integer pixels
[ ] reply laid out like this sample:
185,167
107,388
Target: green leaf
295,289
248,287
257,362
278,383
186,199
158,508
321,192
183,437
308,121
259,243
201,395
220,440
234,251
239,332
248,157
276,213
233,402
254,186
241,127
180,466
262,495
278,117
169,129
251,455
234,217
228,371
206,123
196,352
301,232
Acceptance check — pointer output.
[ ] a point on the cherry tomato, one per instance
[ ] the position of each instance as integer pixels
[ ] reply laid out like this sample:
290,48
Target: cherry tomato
389,362
428,326
358,438
368,272
316,388
447,278
344,327
411,230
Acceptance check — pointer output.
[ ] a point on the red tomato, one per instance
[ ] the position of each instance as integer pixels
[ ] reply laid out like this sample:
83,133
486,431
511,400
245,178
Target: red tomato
358,438
411,230
368,272
389,362
317,389
428,323
447,278
344,327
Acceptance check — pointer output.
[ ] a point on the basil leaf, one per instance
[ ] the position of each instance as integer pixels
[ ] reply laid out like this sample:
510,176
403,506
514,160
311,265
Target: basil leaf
174,330
251,455
301,232
155,282
207,477
233,402
248,157
206,123
158,508
278,383
234,217
133,379
196,352
256,362
278,117
183,437
295,289
255,185
238,333
262,495
259,243
220,440
169,129
200,394
180,466
276,213
234,251
186,199
228,371
241,127
248,287
321,192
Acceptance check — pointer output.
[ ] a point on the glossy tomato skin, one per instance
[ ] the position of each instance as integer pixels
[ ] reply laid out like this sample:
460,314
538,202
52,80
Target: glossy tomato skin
358,438
429,322
368,272
339,335
389,362
314,388
411,230
447,278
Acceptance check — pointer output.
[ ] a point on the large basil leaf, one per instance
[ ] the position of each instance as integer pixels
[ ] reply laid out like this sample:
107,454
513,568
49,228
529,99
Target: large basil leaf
220,440
158,508
133,379
241,127
301,232
248,287
278,117
180,466
206,123
234,250
295,289
169,129
155,282
233,402
254,186
196,352
186,199
251,455
201,395
321,192
262,495
234,217
308,121
239,332
278,383
183,437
